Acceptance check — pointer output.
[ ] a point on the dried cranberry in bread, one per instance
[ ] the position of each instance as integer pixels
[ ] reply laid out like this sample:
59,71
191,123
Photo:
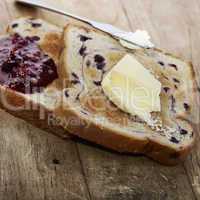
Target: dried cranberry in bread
86,111
29,76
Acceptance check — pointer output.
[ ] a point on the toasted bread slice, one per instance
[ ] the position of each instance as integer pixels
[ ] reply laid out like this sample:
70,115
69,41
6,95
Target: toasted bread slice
37,107
86,111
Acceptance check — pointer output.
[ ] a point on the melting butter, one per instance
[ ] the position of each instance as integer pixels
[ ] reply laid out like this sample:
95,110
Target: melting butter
131,87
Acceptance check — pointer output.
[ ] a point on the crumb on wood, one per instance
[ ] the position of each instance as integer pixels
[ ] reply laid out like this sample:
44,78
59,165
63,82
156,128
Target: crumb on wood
56,161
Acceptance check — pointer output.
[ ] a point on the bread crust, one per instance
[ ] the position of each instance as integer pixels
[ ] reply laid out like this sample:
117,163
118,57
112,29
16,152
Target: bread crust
120,143
29,111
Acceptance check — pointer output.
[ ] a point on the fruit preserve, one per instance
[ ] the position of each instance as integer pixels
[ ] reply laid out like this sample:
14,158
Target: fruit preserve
24,67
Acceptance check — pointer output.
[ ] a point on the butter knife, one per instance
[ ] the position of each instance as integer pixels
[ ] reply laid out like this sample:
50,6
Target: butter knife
128,39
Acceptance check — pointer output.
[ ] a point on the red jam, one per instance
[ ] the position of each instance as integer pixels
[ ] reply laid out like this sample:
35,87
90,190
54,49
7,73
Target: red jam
23,65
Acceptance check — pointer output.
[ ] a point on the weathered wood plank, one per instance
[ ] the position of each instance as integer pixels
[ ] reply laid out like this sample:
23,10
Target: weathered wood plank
4,15
192,11
181,35
40,166
113,176
164,20
34,164
122,177
37,165
177,24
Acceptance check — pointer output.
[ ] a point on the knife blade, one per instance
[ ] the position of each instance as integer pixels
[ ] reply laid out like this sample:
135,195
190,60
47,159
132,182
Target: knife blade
128,39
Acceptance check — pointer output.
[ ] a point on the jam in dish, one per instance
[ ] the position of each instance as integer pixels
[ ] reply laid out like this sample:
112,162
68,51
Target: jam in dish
23,65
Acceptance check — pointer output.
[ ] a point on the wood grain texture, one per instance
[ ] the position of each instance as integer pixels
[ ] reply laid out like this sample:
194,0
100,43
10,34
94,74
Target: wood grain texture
123,177
38,165
193,163
35,165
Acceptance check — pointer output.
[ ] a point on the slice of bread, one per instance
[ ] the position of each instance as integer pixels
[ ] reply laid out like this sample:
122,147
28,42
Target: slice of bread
86,111
83,108
37,107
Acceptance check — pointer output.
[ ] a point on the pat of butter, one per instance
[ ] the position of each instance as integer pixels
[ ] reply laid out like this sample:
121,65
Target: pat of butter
131,87
141,38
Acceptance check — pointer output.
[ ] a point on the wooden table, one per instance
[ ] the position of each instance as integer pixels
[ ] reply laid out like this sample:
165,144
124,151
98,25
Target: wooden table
37,165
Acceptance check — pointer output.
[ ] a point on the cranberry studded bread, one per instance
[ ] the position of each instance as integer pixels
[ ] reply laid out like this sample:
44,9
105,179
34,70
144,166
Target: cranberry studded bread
87,112
29,69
